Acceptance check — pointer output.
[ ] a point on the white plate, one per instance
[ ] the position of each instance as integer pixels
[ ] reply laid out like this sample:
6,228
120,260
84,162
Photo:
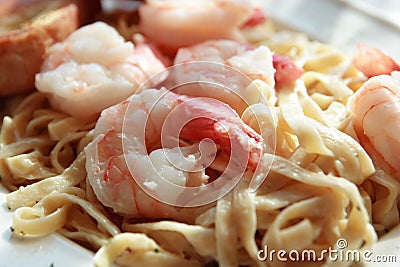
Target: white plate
53,250
326,20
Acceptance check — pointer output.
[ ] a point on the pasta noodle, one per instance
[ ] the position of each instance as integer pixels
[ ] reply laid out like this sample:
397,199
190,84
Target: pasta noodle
322,185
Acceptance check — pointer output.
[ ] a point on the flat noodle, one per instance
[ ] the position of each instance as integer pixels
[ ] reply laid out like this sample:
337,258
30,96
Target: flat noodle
383,192
52,208
83,228
294,45
226,232
195,240
307,135
353,224
325,59
246,219
286,196
322,185
31,140
351,160
28,166
143,252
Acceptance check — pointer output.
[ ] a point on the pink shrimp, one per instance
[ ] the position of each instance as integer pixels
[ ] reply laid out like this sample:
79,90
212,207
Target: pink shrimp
228,63
376,106
173,24
144,129
257,17
286,71
251,63
373,62
254,62
93,69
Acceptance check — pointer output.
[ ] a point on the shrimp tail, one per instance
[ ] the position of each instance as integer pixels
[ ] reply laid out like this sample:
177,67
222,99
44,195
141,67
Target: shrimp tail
257,17
373,62
286,71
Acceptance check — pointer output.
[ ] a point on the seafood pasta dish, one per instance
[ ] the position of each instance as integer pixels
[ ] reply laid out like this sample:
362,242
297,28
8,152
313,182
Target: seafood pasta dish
200,133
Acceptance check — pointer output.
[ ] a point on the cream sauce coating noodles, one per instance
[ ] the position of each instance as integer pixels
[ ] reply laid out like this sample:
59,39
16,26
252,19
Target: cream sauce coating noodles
322,185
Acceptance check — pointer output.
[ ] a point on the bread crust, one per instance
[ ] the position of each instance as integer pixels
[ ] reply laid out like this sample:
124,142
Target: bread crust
22,51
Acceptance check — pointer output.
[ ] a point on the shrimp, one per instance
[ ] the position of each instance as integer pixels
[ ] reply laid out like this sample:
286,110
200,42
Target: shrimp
286,71
115,184
373,62
257,18
376,106
228,63
93,69
175,23
244,63
256,63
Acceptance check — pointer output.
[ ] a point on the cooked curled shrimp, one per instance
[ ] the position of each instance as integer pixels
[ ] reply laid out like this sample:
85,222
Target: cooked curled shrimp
376,106
240,65
143,121
230,64
372,62
286,71
176,23
93,69
254,62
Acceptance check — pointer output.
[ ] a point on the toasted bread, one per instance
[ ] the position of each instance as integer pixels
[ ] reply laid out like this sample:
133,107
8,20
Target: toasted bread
26,32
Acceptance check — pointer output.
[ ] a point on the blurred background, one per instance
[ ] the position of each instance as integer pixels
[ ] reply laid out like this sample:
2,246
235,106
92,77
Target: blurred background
343,23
